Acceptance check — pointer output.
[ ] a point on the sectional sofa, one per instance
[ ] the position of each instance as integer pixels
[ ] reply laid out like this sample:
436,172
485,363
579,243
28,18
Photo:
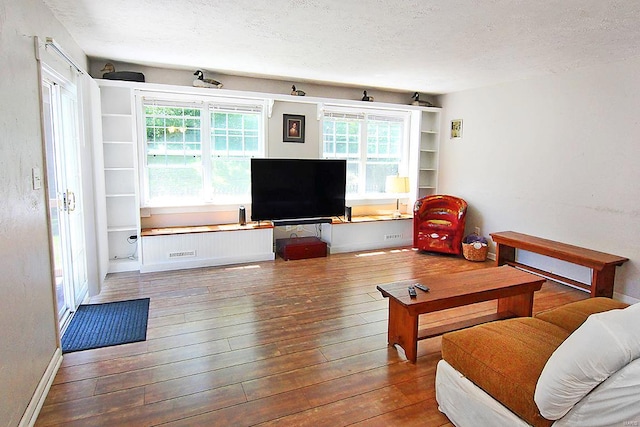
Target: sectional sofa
576,365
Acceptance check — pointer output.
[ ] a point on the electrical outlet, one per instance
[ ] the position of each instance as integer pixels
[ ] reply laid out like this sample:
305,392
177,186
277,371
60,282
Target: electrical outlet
478,231
393,236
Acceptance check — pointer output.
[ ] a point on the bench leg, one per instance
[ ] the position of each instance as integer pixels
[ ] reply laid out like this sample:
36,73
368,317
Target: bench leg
602,281
403,330
504,254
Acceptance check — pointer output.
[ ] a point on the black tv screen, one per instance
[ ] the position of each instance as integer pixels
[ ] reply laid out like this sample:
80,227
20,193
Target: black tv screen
297,188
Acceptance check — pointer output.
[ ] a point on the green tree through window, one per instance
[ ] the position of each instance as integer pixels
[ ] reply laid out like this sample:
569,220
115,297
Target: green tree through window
199,153
372,144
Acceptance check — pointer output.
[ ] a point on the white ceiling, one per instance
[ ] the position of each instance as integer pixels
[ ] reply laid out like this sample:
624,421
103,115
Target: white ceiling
431,46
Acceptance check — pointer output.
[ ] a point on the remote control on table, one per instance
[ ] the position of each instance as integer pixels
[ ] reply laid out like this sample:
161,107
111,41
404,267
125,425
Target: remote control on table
412,292
421,287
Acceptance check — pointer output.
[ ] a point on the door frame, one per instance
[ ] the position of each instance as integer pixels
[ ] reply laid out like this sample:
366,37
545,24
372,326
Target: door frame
74,292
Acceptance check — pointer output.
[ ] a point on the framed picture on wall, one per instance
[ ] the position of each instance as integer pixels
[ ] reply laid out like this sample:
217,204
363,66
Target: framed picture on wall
456,128
292,128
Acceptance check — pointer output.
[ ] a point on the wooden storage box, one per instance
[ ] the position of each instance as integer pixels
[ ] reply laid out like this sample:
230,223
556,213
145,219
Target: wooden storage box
301,248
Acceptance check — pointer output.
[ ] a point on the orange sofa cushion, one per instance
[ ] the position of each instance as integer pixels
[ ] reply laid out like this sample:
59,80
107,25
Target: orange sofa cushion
505,359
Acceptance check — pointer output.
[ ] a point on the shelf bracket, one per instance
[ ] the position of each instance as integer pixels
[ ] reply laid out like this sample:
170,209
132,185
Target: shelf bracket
270,103
320,110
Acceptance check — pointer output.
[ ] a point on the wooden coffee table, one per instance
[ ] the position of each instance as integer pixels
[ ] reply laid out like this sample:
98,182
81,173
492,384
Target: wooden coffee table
512,288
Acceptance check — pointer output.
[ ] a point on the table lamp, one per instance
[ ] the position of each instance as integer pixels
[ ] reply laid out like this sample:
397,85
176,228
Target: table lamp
397,184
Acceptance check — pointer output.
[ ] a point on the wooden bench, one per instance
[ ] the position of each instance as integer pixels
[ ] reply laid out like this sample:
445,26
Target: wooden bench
602,265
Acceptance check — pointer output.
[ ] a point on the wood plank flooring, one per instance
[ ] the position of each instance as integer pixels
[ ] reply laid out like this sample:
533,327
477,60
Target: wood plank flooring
287,343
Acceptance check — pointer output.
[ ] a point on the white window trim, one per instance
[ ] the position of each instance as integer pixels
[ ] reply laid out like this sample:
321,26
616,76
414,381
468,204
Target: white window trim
205,102
404,165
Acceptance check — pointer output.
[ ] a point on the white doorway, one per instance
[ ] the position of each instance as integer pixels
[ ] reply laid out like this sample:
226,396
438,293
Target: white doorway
64,191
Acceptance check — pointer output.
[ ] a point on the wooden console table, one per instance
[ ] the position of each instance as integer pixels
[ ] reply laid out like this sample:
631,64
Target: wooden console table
511,287
602,265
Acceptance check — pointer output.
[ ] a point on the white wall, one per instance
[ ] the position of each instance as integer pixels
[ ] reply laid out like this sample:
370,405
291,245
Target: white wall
28,337
310,149
555,157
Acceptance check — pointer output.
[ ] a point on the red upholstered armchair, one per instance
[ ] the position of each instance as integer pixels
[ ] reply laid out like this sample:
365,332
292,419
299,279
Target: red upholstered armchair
438,224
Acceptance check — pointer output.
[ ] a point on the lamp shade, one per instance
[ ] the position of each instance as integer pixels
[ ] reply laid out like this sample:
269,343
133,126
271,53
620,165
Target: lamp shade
397,184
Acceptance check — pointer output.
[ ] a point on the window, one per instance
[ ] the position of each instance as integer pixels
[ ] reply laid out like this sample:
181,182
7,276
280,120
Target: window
374,144
199,152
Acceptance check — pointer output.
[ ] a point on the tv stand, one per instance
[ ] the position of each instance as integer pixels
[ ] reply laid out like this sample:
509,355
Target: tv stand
301,221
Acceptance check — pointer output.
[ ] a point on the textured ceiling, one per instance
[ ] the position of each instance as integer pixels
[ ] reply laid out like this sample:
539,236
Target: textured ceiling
430,46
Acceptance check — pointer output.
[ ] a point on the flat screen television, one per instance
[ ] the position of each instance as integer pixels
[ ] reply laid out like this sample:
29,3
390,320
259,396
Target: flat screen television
289,189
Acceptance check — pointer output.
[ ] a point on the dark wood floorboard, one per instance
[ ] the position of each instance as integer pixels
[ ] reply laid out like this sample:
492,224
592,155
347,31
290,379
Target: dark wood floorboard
300,343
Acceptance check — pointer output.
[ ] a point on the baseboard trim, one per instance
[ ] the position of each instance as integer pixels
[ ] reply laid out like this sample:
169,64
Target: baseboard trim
625,298
37,400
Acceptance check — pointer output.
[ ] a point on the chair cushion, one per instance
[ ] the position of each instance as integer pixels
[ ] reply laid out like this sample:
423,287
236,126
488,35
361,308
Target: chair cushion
602,345
571,316
505,359
437,222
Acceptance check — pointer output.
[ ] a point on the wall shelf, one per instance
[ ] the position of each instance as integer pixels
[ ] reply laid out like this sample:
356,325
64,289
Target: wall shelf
132,227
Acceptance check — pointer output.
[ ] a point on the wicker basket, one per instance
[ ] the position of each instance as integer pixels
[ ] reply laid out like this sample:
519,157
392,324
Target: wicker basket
473,253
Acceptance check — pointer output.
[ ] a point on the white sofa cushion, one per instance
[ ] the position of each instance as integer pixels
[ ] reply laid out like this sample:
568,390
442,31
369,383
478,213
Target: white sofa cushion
615,402
602,345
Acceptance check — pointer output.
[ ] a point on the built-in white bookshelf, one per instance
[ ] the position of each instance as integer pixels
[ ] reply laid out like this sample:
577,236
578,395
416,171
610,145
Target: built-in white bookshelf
129,250
425,142
428,153
121,176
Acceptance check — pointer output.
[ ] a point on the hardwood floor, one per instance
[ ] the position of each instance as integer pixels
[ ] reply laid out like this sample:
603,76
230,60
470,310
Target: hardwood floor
274,343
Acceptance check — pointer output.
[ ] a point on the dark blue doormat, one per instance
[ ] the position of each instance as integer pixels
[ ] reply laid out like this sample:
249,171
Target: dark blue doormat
104,325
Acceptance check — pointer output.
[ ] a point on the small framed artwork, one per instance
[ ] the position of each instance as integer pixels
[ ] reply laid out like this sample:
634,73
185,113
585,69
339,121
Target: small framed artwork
456,128
292,128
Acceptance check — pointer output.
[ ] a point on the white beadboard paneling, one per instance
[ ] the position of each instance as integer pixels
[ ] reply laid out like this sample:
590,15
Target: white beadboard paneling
214,248
359,236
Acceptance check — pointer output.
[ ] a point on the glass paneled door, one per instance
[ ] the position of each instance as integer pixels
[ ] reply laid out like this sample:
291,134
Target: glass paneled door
60,123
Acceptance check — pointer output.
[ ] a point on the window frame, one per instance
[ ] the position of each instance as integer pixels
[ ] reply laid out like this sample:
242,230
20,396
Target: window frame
368,112
208,105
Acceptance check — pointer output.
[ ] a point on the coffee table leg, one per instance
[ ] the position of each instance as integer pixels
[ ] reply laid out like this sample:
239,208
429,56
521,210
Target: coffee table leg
403,329
520,305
